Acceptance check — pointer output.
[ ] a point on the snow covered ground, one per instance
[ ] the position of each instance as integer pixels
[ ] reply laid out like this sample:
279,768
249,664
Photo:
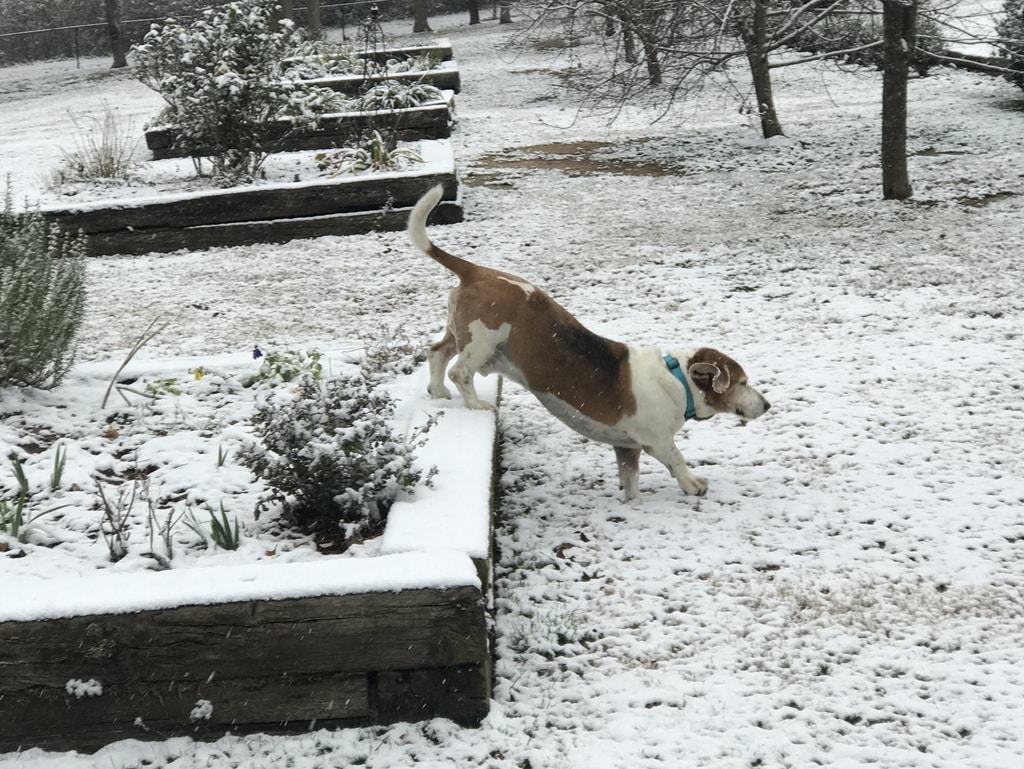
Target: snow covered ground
851,590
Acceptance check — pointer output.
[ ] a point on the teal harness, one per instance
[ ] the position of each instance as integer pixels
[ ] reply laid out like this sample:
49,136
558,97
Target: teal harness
677,372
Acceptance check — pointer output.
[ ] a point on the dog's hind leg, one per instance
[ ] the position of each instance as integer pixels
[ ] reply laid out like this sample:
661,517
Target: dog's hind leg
473,356
438,357
628,461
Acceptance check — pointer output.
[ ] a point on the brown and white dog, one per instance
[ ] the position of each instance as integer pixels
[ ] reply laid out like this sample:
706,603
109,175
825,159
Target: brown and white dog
636,399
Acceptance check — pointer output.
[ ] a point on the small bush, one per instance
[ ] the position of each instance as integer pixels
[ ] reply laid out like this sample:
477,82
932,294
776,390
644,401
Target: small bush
104,149
329,456
221,77
279,367
1011,33
42,298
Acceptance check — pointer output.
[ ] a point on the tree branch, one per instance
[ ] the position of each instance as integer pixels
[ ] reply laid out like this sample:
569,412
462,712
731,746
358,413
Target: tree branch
828,55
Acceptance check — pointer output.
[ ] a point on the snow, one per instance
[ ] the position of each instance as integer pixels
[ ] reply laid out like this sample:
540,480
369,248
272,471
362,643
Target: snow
452,513
850,591
106,592
282,172
180,449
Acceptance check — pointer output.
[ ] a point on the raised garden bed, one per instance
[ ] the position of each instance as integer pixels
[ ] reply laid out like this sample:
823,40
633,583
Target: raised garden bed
340,205
333,641
440,50
445,77
430,121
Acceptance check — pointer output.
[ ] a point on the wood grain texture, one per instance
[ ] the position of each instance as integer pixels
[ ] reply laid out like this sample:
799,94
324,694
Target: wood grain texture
262,666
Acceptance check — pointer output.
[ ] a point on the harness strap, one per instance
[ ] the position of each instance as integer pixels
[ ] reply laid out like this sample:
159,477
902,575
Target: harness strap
677,372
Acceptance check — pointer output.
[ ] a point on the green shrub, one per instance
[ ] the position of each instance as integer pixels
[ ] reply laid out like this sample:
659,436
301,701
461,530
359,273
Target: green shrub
1011,33
221,77
329,456
42,298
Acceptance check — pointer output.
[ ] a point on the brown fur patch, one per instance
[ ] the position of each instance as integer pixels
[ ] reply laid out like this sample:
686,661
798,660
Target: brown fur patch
551,349
720,402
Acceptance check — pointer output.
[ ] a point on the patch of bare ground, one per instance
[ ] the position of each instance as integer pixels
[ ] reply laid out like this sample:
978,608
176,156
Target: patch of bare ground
983,200
583,158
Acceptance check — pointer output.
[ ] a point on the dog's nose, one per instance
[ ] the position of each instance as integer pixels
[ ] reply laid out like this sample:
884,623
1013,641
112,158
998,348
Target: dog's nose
765,403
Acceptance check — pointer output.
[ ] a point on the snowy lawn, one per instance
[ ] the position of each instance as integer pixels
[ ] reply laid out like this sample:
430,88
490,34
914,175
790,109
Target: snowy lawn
851,589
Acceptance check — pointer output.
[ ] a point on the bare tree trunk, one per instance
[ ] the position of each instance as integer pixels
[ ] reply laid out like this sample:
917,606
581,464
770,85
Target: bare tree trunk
314,26
112,10
899,22
609,21
419,16
628,45
755,43
623,13
474,11
645,24
505,12
654,75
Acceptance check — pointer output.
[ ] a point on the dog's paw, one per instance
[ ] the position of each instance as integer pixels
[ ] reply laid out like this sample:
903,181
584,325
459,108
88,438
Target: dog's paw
629,493
480,405
694,484
441,392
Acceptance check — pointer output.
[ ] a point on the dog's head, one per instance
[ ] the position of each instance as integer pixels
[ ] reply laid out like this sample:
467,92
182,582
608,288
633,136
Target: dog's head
723,383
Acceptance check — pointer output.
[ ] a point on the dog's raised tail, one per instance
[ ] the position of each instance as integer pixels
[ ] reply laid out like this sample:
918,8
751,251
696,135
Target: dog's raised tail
417,230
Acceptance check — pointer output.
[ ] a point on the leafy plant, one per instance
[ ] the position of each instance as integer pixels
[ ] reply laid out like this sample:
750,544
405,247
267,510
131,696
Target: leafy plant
393,94
329,455
220,533
547,633
42,298
420,63
60,461
320,58
12,511
285,366
14,517
310,102
374,154
163,386
221,77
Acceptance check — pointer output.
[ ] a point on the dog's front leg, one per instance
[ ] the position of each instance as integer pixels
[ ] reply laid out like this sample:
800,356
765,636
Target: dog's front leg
672,458
628,461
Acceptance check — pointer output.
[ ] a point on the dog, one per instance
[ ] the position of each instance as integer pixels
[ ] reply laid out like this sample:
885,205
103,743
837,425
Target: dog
635,399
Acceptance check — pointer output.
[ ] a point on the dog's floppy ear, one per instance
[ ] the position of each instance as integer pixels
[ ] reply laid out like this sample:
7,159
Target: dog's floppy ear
708,376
